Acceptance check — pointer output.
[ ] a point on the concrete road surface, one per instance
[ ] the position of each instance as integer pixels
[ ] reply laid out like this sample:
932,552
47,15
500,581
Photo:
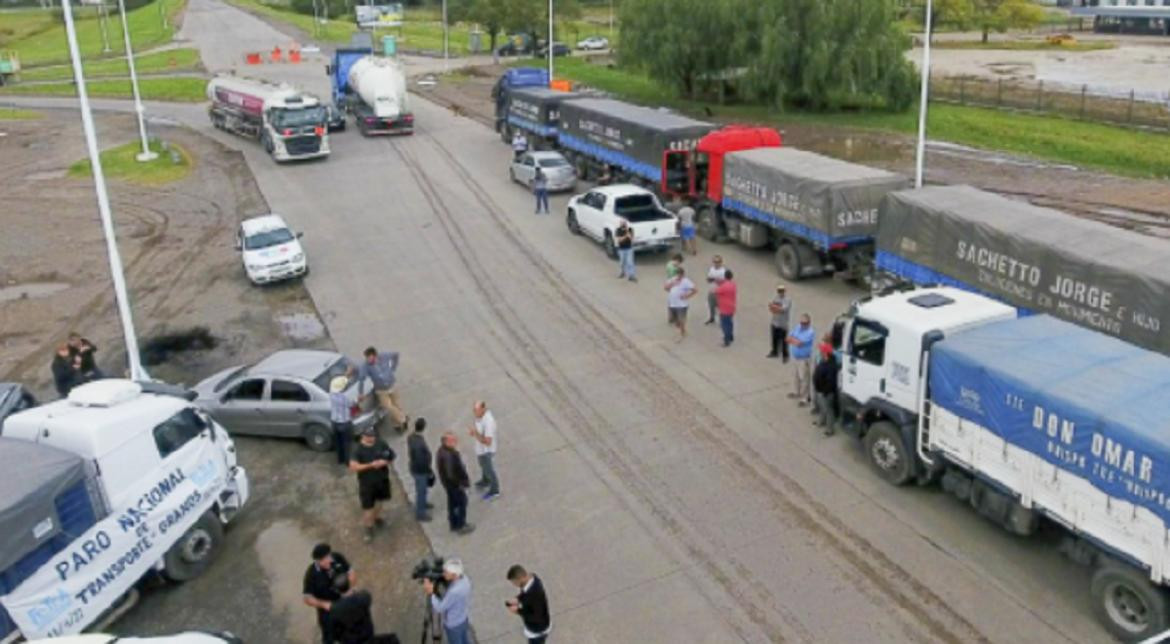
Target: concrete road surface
665,492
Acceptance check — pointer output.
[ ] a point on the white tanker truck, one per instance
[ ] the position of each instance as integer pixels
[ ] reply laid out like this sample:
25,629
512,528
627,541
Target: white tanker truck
377,96
290,124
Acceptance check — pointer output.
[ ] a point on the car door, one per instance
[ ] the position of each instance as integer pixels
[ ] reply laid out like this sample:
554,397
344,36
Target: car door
289,407
591,217
527,170
240,408
864,376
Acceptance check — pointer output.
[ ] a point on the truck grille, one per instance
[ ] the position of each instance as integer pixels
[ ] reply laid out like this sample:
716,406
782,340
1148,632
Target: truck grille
302,144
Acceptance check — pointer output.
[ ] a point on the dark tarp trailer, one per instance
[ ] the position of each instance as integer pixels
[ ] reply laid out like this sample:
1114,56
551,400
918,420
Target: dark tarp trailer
1037,259
536,110
823,200
630,137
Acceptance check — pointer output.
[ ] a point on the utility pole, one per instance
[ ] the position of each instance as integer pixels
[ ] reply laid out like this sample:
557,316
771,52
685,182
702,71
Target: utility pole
920,156
550,41
611,23
446,41
104,24
103,199
146,154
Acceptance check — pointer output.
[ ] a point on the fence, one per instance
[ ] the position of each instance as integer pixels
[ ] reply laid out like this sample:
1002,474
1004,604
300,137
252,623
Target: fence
1130,109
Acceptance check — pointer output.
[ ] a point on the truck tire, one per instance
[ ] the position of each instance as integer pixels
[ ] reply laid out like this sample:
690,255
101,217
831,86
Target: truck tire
887,453
319,438
582,165
610,247
707,224
788,262
571,222
195,550
1130,606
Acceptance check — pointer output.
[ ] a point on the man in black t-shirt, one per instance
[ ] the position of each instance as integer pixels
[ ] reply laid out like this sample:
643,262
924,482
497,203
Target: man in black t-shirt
328,573
371,461
623,237
350,616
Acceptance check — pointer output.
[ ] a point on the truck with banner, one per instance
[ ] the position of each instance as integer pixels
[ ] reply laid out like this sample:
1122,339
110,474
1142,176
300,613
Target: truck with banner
1038,260
536,111
116,481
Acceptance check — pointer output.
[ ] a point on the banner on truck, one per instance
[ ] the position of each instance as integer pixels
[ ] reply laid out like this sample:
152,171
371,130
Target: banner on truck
77,584
380,15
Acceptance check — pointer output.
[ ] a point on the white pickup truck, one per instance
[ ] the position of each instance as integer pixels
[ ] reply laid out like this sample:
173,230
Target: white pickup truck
598,212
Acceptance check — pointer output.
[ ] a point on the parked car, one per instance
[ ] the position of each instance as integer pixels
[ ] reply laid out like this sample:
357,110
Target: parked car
14,398
269,250
334,118
559,49
557,171
284,395
596,214
594,43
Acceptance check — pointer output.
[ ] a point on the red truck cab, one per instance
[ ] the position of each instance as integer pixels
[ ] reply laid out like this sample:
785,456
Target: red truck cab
698,174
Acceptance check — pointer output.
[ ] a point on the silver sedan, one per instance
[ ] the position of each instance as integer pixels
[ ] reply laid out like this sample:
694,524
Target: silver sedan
557,171
284,395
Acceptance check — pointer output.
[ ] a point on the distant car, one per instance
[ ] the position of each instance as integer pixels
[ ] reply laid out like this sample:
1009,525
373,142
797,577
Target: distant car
593,43
334,118
557,171
14,398
559,49
270,251
515,46
284,395
596,214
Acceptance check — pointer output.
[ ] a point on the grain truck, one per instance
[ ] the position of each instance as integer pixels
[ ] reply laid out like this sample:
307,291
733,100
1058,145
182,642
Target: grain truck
1039,260
288,123
375,94
535,111
1029,420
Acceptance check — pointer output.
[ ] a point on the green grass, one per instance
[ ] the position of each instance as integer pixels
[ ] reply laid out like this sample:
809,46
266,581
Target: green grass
159,61
179,89
16,114
120,163
1025,45
1103,147
39,37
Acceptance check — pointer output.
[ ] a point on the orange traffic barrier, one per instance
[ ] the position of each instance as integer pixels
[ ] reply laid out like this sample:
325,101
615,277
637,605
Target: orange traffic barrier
561,86
252,59
276,54
294,56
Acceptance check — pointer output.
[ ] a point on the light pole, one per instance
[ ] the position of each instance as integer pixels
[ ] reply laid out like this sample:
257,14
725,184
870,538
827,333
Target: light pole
611,21
99,183
446,41
104,24
146,154
550,41
920,157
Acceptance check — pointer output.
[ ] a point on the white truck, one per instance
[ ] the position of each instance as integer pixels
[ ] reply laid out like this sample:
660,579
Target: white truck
290,124
1029,420
116,481
597,213
378,97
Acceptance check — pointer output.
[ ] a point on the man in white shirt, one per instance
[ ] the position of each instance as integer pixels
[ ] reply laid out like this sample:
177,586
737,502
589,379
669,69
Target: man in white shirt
484,433
519,144
679,290
715,276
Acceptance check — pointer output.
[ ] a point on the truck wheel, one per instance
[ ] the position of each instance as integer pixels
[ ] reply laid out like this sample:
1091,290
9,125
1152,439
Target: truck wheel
571,221
582,168
1125,600
610,247
319,438
195,550
707,224
788,262
887,453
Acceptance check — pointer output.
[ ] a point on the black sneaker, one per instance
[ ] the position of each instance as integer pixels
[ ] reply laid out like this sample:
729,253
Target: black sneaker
467,528
772,355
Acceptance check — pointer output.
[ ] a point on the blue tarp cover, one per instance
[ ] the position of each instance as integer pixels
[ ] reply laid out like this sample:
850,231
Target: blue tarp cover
1083,401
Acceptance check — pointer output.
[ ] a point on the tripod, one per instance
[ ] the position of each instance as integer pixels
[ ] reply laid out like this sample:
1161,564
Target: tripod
430,623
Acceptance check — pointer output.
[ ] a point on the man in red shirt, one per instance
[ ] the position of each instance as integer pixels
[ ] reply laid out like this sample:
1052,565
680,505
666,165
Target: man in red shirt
725,302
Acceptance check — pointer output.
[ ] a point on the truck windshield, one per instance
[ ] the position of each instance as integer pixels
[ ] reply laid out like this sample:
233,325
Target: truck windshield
299,117
638,208
268,238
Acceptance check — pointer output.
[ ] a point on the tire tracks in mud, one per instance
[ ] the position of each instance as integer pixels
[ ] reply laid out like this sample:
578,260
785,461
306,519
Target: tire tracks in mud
874,574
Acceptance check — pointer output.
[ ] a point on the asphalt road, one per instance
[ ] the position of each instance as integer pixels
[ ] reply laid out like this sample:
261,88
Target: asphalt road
665,492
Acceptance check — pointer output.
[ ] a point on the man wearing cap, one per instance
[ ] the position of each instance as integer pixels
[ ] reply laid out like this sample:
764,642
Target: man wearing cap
329,572
780,307
371,461
341,417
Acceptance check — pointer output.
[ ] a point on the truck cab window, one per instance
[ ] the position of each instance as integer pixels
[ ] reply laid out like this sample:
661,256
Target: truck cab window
676,172
252,389
702,163
177,431
868,342
285,391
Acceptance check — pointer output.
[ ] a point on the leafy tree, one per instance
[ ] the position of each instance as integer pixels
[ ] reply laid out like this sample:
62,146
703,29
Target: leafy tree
498,17
680,41
993,15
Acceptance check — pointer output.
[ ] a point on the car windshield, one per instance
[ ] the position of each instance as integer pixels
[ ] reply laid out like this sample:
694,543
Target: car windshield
338,368
638,208
299,117
268,238
554,162
229,378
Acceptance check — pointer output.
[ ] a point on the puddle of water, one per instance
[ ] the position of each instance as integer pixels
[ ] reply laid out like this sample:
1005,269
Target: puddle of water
284,553
301,326
857,149
32,290
160,348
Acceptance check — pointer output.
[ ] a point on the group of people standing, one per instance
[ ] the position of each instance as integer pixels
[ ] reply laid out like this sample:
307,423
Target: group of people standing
74,363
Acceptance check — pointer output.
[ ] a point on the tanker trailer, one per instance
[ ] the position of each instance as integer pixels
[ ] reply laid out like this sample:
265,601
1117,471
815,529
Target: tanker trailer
290,124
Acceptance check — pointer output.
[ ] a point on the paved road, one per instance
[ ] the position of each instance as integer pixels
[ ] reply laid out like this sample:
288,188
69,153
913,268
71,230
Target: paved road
666,493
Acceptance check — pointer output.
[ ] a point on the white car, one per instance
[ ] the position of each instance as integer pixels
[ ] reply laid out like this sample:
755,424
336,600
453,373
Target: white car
270,251
557,171
594,43
597,213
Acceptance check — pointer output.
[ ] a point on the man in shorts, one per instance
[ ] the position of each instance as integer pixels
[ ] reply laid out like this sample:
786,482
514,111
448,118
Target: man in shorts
686,230
371,462
679,290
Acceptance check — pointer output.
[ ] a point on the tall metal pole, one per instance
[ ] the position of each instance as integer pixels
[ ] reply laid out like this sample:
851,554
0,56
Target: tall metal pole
920,157
446,41
550,41
146,154
611,22
99,182
104,24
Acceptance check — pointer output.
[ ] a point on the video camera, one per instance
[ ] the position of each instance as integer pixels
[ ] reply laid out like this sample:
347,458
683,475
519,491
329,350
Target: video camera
431,569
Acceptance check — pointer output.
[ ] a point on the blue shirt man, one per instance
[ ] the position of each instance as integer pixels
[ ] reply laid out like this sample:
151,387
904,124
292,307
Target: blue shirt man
455,605
380,368
801,339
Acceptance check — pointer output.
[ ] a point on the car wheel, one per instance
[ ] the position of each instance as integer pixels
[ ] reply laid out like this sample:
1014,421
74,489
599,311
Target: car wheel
610,247
788,262
1125,600
319,438
571,221
195,550
887,453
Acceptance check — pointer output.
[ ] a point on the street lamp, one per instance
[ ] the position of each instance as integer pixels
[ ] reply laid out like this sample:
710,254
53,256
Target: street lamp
550,41
920,156
99,183
446,41
146,154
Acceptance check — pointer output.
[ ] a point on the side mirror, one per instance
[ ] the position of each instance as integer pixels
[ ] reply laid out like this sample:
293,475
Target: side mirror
329,70
299,235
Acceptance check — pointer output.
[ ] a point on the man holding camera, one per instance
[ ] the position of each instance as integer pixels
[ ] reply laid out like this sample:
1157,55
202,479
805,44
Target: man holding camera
531,604
371,461
455,604
328,573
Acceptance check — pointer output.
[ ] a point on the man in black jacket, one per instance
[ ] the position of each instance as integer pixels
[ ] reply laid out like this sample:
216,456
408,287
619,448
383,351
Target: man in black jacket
825,386
531,604
66,370
420,469
455,482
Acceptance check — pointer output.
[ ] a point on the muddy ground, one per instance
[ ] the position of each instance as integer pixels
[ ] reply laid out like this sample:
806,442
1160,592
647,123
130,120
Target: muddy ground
177,245
1138,204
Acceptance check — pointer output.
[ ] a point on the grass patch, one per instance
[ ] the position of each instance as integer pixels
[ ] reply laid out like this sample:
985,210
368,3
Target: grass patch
1091,145
17,114
38,36
120,163
178,90
1026,45
159,61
